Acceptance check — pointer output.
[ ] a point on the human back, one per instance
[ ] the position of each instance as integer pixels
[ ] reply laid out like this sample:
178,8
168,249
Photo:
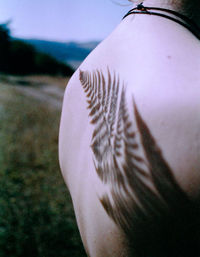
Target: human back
155,65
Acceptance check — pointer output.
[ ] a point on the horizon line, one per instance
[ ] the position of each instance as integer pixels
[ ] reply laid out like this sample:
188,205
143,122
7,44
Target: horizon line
57,40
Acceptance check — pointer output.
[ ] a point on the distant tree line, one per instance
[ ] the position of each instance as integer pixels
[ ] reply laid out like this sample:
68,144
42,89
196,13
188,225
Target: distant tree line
18,57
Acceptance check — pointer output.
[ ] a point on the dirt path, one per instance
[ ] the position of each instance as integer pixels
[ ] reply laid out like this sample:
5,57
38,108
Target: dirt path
50,93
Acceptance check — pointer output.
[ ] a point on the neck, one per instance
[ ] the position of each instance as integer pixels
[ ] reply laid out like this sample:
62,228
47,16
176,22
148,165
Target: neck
190,8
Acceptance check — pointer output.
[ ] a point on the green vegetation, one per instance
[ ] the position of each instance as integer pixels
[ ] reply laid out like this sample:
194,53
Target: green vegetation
36,216
18,57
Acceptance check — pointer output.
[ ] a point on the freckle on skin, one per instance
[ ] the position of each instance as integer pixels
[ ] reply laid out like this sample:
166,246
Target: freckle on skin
169,57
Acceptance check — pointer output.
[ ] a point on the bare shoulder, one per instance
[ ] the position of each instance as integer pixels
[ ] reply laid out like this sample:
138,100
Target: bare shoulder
130,136
161,75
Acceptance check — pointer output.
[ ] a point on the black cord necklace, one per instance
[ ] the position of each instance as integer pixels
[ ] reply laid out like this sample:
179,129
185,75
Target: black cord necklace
186,22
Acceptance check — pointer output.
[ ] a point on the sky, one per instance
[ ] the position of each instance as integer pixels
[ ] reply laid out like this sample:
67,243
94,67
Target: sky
63,20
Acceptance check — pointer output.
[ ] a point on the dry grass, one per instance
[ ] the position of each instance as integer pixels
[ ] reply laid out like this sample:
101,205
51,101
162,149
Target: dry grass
58,81
36,215
35,80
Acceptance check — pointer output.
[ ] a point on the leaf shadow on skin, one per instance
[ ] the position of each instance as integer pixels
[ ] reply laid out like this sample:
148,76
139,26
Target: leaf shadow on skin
155,214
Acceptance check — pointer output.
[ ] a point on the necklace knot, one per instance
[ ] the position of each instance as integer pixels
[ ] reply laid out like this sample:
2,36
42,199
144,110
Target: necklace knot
141,7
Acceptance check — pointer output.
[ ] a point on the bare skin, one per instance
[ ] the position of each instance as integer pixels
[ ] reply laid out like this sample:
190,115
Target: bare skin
157,62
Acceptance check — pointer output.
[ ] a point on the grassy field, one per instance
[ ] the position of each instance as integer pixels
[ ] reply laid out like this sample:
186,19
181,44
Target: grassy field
36,215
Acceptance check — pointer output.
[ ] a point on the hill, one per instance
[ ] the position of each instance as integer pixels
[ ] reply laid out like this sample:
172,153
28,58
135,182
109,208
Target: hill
21,58
72,53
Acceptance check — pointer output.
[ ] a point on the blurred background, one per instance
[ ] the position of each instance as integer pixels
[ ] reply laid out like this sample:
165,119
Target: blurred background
42,42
